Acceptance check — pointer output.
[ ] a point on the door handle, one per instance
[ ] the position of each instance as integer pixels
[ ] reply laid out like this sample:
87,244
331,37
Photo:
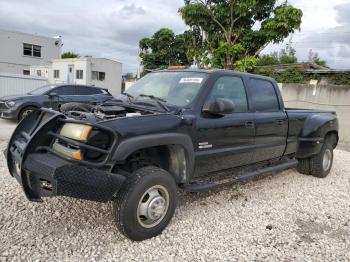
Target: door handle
280,122
249,124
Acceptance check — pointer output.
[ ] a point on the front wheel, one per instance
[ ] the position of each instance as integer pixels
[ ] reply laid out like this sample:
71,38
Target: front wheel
25,112
146,203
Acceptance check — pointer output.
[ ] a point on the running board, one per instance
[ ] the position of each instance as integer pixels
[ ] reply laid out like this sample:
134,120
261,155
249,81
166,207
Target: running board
234,179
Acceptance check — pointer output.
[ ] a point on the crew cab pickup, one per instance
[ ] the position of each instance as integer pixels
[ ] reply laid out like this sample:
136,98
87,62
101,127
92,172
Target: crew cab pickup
191,130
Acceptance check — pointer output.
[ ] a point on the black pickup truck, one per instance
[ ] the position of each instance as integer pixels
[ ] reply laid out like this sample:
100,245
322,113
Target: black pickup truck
173,130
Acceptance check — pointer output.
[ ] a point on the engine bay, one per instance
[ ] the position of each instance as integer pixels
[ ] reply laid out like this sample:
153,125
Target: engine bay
106,111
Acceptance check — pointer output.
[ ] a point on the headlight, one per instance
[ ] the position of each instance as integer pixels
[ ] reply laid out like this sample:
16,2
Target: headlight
10,104
78,132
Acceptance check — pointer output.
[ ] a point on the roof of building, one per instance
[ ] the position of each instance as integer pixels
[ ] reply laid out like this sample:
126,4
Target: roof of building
83,58
29,34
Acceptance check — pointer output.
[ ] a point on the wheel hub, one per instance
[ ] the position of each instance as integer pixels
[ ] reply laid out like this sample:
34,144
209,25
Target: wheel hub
327,160
153,206
156,208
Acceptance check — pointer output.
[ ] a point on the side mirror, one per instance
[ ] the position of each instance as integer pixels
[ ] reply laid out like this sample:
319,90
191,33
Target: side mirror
219,107
52,95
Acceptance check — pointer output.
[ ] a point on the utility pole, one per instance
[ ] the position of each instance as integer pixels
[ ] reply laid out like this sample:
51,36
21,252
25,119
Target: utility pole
289,45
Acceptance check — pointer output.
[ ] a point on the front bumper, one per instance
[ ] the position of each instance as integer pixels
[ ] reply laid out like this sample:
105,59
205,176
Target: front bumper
47,175
43,173
8,114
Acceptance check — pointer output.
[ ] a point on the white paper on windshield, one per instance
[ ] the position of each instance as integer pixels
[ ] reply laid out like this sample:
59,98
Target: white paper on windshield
196,80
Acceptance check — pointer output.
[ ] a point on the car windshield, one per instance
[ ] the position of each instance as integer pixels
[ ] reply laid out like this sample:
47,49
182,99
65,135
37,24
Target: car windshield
173,88
41,90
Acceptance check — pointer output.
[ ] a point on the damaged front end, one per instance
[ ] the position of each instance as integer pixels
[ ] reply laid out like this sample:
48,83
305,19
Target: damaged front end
52,155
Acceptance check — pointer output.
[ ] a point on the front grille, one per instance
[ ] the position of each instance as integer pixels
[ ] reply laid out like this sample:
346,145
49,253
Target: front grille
3,106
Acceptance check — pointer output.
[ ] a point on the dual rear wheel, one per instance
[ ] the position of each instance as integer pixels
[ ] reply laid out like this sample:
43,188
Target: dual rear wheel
319,165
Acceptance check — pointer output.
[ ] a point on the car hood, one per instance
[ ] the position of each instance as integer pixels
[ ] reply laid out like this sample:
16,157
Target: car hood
142,125
15,97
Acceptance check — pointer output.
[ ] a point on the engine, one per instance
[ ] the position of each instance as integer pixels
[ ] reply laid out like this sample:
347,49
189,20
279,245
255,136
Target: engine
108,110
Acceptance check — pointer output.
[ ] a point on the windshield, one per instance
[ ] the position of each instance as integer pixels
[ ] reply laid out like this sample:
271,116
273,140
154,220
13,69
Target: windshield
173,88
41,90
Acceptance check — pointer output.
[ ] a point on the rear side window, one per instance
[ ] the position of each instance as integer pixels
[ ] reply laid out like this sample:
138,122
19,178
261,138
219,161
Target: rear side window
84,90
231,88
264,96
65,90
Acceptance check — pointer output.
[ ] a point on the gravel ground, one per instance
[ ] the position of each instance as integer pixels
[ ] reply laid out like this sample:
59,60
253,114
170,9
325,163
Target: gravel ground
286,217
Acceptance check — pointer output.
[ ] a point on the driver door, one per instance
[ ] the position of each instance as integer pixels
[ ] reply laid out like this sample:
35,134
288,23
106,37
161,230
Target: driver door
64,94
228,141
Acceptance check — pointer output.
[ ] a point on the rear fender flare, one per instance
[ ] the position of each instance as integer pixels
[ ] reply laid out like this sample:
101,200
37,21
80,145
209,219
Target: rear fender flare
315,129
319,125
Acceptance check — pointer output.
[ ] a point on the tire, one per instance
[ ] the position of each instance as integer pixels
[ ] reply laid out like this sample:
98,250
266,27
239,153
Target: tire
76,107
147,191
321,164
304,166
25,112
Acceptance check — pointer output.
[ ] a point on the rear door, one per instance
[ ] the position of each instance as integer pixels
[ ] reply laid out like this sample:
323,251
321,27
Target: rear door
228,141
270,119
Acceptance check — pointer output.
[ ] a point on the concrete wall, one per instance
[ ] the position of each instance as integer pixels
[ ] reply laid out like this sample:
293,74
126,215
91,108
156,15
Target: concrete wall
12,59
11,84
329,97
113,72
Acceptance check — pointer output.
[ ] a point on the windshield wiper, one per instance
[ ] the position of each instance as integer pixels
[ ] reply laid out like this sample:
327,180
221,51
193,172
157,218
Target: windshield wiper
159,100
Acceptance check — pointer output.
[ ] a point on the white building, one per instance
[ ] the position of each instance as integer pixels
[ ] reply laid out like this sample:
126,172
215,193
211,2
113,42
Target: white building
99,72
19,51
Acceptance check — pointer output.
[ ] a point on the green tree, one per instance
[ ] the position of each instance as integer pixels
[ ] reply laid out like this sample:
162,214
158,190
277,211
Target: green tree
229,26
275,58
291,75
286,57
268,59
69,55
163,49
195,49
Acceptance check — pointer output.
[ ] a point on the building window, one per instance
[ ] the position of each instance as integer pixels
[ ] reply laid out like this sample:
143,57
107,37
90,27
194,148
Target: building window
100,76
79,74
38,72
56,73
31,50
26,72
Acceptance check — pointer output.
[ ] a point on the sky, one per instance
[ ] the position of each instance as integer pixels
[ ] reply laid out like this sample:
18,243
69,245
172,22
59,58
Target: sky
113,28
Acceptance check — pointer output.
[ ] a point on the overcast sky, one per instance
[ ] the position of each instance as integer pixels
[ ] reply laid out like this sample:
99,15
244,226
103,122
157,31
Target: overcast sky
112,28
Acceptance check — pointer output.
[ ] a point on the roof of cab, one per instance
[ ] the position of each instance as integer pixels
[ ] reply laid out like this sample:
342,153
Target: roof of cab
215,70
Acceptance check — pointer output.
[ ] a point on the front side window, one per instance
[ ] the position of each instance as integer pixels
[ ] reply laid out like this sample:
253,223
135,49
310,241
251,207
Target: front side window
232,88
79,74
38,72
176,88
42,90
65,90
31,50
264,96
26,72
56,73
